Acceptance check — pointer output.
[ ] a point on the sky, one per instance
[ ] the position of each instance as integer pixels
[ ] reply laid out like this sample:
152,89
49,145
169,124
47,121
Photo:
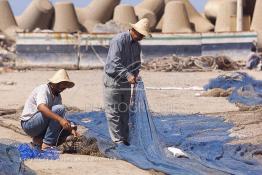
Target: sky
18,6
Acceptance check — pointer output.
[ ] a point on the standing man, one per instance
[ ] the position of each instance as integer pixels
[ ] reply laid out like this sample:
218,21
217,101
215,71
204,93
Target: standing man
121,71
43,116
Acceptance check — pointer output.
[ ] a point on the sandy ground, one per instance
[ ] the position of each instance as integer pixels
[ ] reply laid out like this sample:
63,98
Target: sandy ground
87,95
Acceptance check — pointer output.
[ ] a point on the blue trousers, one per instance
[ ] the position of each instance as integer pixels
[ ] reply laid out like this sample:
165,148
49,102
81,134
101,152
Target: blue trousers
44,127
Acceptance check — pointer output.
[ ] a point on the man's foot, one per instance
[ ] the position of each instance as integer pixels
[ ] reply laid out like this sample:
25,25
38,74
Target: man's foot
35,146
126,143
122,142
37,141
45,146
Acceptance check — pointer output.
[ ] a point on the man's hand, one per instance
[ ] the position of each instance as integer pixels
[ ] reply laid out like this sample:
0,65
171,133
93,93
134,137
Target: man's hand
131,79
138,78
65,124
75,133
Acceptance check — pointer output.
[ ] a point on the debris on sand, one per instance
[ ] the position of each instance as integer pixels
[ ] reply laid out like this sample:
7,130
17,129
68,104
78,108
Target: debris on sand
7,56
217,92
8,83
7,111
243,107
9,118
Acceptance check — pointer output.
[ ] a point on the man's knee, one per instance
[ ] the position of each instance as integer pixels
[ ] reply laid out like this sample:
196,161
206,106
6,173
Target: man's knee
59,110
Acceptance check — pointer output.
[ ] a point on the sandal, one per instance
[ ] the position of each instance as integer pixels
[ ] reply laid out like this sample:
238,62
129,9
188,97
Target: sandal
51,148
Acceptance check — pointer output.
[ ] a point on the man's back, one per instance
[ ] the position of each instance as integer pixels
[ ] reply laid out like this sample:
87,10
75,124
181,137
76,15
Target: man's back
40,95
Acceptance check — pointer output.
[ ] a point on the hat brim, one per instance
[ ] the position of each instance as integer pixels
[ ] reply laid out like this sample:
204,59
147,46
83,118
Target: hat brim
69,84
143,32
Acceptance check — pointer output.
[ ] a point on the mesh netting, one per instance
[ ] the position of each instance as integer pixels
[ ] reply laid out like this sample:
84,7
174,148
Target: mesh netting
247,90
236,80
10,162
28,152
204,139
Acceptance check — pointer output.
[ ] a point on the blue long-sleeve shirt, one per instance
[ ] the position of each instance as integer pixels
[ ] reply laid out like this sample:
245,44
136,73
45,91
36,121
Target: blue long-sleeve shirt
123,58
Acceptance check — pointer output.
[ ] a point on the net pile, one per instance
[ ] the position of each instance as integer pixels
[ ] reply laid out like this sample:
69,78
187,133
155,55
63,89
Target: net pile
246,91
190,64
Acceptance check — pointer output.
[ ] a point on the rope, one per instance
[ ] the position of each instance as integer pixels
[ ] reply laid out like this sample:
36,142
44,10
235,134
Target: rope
204,63
97,55
59,136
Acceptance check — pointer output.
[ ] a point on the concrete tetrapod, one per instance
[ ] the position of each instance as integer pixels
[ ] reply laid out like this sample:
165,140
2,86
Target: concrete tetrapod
37,15
176,19
249,7
144,13
124,14
156,6
98,11
228,10
211,9
65,10
160,24
200,23
8,23
151,9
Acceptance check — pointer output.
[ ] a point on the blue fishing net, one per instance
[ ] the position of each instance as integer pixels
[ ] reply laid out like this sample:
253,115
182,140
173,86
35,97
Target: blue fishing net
28,152
247,90
10,162
234,80
250,95
204,139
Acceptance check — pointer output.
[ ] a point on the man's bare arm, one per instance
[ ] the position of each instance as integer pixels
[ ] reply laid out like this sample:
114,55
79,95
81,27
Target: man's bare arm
43,108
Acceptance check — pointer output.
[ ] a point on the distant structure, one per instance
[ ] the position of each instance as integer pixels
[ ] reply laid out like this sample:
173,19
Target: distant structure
212,8
167,16
227,12
257,22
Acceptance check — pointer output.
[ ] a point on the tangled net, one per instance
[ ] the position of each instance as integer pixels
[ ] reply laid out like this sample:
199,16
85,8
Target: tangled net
191,64
81,145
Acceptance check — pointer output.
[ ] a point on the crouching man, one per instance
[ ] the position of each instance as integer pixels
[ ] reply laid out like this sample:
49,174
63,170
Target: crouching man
43,116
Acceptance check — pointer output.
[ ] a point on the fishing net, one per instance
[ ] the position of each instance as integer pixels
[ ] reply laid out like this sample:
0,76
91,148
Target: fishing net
205,141
246,90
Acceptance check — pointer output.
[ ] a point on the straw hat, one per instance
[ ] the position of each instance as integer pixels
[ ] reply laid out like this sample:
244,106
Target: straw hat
61,76
142,27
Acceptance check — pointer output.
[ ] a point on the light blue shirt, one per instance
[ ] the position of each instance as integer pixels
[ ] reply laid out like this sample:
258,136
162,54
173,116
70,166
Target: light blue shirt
123,57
